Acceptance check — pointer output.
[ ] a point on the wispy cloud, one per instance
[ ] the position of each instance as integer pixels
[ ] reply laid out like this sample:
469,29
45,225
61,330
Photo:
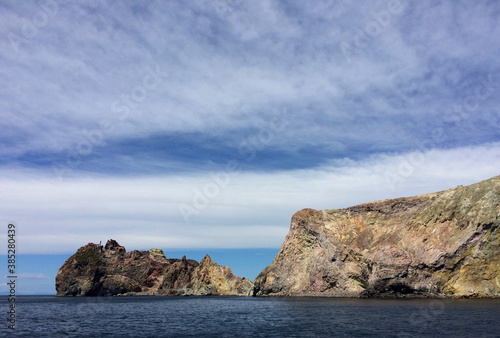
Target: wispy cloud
222,71
116,104
240,210
32,276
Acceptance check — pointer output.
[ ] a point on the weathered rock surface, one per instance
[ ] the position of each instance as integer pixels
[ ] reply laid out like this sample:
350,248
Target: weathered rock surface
439,244
108,271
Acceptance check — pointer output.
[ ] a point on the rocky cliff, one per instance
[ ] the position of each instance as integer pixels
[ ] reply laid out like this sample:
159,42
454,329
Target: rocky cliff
95,270
440,244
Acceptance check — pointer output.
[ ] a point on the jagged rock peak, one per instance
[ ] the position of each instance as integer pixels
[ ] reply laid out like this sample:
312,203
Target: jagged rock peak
158,253
114,246
206,260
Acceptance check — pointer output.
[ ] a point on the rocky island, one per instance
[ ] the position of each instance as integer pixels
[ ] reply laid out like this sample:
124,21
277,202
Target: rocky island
96,270
443,244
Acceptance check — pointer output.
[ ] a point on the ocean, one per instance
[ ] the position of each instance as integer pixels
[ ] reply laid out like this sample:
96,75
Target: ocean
50,316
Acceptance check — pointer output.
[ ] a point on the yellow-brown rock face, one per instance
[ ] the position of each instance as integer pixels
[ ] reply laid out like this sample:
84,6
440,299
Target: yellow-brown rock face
440,244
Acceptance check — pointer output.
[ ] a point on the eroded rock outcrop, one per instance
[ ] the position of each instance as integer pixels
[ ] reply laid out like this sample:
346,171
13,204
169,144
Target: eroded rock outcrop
95,270
440,244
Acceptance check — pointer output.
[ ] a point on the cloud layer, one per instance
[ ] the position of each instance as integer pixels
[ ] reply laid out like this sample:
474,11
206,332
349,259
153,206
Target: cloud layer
222,69
116,116
222,209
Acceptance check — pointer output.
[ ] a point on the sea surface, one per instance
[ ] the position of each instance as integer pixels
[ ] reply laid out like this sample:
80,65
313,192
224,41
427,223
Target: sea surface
50,316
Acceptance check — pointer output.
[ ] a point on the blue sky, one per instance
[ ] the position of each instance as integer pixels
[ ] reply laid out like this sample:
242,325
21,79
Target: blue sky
204,125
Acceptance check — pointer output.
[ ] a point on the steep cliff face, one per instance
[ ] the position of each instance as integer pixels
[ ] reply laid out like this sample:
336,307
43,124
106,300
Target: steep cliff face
107,271
440,244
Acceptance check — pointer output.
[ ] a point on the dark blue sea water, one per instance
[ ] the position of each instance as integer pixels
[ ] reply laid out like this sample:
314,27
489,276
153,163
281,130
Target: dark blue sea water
48,316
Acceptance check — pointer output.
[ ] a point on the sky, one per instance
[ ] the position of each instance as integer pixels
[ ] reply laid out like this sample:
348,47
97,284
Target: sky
203,126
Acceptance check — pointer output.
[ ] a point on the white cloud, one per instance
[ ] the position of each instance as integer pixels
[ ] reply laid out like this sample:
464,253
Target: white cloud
32,276
252,211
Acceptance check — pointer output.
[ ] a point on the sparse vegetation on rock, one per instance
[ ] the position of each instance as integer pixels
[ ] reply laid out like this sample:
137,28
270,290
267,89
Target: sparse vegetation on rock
95,270
444,244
